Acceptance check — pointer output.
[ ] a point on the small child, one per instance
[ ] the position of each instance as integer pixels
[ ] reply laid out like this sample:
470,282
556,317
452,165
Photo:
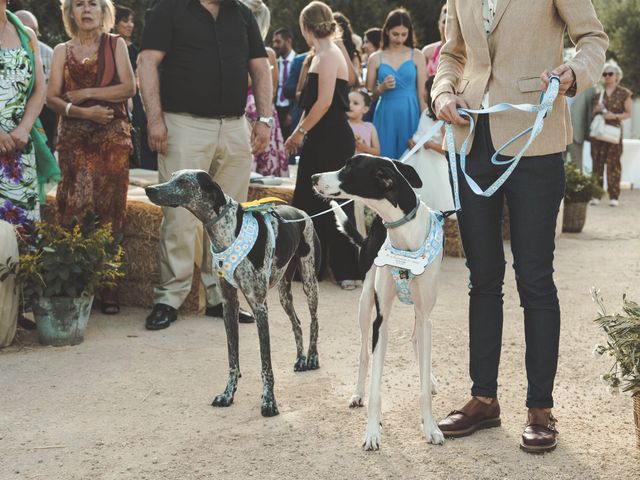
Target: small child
365,133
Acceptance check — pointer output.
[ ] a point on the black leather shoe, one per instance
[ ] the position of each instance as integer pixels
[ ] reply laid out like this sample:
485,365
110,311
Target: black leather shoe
161,317
216,311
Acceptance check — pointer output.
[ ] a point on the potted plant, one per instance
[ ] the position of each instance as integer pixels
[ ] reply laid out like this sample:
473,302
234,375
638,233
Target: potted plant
623,344
59,270
579,190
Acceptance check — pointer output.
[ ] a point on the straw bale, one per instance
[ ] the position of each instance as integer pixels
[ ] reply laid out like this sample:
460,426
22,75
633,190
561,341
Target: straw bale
139,293
257,191
141,256
142,220
506,223
452,243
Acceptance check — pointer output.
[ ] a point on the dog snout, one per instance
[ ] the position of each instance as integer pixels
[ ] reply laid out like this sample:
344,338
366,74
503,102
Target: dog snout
315,179
152,192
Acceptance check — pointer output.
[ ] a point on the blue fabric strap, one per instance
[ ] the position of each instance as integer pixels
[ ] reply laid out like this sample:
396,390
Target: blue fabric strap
226,261
541,110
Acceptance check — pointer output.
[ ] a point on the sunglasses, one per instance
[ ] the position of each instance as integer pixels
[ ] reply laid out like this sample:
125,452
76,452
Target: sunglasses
608,74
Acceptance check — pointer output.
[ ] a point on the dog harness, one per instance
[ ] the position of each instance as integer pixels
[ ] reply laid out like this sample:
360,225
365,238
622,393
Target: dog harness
406,265
226,261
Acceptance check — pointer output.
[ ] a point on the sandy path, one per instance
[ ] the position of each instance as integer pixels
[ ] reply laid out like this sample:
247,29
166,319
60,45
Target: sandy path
133,404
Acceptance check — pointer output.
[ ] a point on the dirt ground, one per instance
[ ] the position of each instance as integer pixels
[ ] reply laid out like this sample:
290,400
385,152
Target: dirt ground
134,404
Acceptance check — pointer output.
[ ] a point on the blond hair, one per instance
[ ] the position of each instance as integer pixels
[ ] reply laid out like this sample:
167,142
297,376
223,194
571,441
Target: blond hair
262,15
108,16
317,18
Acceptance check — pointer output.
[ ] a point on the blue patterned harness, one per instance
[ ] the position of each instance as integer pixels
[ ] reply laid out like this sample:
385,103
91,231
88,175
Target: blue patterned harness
406,265
226,261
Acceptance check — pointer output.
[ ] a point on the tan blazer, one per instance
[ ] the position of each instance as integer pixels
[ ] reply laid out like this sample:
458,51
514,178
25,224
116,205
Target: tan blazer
526,39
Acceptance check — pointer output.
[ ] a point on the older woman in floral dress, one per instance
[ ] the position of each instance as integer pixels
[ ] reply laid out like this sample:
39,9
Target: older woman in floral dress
91,79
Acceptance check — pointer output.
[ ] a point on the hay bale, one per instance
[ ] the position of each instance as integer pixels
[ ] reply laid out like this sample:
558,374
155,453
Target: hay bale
506,223
284,191
141,245
142,220
452,243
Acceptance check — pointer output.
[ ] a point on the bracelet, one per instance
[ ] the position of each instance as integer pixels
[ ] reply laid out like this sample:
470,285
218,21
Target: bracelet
67,109
303,131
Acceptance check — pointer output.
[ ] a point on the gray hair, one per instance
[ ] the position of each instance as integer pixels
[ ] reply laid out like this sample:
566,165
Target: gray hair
612,66
108,16
262,15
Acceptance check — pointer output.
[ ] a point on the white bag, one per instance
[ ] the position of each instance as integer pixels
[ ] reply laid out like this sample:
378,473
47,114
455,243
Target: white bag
599,130
9,298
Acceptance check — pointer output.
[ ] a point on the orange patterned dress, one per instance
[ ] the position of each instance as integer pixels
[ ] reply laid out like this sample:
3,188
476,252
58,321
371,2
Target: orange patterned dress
94,158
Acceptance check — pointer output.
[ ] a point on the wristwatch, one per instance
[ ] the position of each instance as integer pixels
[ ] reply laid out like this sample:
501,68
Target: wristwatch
268,121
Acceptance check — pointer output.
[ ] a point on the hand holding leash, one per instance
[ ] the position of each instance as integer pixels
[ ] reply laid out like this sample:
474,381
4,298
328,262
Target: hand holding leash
447,105
564,73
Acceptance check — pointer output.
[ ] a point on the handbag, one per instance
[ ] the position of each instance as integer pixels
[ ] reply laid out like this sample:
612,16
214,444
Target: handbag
600,130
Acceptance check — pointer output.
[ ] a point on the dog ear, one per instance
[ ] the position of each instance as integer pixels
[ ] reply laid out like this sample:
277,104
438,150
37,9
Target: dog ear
409,173
386,178
206,183
211,188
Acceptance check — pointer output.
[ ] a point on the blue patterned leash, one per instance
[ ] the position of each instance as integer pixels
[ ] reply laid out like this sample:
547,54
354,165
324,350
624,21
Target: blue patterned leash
541,110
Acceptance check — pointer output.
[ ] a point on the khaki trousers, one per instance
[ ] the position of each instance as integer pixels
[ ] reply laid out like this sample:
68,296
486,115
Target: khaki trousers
222,148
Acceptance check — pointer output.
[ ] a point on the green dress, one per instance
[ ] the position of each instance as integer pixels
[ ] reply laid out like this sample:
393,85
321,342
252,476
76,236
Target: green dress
18,179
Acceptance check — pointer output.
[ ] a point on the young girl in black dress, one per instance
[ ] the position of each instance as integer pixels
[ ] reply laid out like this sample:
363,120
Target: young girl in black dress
329,139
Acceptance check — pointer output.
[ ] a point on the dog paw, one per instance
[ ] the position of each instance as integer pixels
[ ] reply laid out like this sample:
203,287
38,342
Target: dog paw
372,439
222,401
356,401
313,363
300,365
269,408
434,385
433,434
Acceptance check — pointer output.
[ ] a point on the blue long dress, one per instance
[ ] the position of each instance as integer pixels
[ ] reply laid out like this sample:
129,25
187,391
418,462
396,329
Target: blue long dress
398,112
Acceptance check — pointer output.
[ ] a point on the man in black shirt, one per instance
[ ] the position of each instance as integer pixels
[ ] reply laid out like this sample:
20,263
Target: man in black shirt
196,59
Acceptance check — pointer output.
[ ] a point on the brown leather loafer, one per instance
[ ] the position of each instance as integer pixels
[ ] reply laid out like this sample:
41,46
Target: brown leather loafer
540,434
475,415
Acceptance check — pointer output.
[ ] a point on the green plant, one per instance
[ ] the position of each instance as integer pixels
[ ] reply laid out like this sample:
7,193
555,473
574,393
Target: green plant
580,187
623,344
63,262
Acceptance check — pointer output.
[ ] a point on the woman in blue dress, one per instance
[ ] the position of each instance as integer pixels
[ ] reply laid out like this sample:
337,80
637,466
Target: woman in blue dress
396,74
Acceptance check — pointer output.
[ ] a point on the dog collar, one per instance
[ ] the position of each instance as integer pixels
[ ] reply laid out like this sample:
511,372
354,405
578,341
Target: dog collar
406,265
407,218
222,213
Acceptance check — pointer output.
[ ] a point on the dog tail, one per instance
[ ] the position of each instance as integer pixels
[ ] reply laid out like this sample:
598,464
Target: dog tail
346,226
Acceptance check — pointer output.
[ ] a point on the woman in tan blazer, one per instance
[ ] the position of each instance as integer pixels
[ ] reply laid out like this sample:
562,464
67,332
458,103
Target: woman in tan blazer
504,51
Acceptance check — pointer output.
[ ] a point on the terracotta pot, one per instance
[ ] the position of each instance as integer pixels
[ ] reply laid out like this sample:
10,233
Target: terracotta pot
574,217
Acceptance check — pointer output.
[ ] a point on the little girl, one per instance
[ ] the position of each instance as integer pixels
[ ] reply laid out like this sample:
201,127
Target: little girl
364,132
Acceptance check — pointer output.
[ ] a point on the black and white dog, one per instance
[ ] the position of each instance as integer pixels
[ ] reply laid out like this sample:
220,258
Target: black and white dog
279,249
386,187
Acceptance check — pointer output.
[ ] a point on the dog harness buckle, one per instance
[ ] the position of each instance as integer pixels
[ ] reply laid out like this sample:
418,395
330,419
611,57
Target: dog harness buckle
406,265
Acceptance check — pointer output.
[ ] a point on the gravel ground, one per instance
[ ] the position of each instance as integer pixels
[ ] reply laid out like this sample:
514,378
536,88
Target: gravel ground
134,404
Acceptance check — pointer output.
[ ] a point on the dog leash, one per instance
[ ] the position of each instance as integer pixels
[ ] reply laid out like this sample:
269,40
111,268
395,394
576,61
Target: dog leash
541,110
